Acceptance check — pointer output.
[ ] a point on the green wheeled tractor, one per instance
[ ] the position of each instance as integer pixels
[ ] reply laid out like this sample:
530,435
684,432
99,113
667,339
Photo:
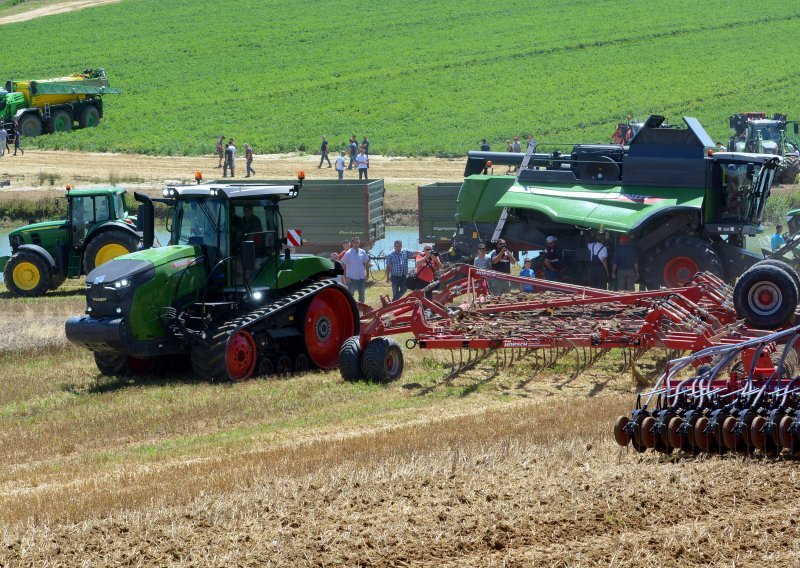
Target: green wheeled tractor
755,133
686,207
97,229
227,292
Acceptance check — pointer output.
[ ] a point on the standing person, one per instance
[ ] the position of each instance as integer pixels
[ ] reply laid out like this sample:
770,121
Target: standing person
353,147
485,146
625,264
428,263
3,140
502,260
552,259
230,153
248,159
517,147
482,261
598,263
526,272
323,150
345,248
397,269
225,161
17,139
220,150
509,146
340,278
340,165
531,141
776,241
363,164
365,145
355,262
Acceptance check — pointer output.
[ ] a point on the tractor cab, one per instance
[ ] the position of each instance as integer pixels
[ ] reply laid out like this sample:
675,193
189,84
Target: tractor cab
88,208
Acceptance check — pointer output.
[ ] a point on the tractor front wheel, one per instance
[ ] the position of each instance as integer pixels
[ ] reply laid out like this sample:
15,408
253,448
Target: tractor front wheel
27,274
107,246
789,170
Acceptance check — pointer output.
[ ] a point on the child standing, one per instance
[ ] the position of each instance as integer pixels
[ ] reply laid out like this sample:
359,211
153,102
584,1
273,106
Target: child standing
528,273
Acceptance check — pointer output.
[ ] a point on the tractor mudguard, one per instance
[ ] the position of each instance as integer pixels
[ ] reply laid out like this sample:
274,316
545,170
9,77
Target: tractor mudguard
41,252
112,226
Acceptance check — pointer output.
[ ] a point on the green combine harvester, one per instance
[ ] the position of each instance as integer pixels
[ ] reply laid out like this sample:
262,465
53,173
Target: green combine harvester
227,292
97,229
687,207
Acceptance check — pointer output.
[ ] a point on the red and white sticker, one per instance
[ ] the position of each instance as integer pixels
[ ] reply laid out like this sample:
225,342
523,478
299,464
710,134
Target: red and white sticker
295,237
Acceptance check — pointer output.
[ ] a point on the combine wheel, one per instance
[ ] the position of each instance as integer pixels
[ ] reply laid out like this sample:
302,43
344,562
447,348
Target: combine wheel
27,274
89,117
106,246
60,122
301,363
621,437
330,319
765,296
283,366
350,359
382,360
677,260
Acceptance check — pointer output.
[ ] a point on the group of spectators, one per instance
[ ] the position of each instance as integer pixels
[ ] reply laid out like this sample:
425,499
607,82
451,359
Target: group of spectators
515,146
359,156
4,140
226,152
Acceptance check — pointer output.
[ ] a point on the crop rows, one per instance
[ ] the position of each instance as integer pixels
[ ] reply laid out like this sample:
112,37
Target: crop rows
418,78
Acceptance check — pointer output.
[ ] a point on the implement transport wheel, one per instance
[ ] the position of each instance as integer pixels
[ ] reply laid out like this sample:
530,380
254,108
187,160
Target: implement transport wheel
61,121
785,266
89,117
765,296
621,437
330,319
106,246
382,360
27,274
675,262
241,355
350,359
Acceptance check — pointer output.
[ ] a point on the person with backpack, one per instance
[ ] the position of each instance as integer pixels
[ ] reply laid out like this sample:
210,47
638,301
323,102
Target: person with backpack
598,263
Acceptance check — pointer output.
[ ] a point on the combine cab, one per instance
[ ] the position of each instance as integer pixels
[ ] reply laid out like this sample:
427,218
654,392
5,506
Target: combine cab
687,208
227,292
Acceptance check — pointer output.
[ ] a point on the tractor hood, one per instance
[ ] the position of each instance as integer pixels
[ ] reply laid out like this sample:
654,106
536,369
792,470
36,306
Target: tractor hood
36,227
613,208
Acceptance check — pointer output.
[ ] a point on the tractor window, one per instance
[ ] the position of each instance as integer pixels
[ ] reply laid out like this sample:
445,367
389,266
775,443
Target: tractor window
253,221
740,196
101,212
119,206
201,222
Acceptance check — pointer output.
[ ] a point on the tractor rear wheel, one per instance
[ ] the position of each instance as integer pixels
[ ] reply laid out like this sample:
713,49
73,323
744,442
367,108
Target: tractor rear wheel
106,246
61,121
350,359
89,117
30,126
677,260
331,317
790,168
765,296
382,360
27,274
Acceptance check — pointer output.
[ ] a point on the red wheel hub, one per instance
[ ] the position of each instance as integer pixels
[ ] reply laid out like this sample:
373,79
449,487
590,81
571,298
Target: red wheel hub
765,297
679,270
240,356
329,322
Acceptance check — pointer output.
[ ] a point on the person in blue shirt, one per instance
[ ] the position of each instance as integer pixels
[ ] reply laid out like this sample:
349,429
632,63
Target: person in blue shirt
777,240
526,272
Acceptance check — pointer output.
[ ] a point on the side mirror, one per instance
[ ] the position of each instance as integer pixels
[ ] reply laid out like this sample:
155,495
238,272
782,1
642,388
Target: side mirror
249,255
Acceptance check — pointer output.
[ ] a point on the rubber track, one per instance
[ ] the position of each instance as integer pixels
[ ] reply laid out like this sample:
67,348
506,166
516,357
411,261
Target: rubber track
208,355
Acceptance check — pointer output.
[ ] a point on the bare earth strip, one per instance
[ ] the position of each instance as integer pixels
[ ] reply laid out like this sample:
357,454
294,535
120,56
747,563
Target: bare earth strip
50,9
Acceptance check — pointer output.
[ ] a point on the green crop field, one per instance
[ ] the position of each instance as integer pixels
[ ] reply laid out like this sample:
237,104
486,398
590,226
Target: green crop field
419,78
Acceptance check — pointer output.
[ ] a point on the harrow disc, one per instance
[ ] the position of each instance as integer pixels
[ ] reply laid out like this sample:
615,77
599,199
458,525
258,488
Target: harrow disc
636,441
621,437
731,439
646,434
759,438
675,440
785,435
702,439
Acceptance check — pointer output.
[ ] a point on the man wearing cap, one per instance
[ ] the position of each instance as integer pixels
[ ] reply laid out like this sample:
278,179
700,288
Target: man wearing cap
552,258
625,264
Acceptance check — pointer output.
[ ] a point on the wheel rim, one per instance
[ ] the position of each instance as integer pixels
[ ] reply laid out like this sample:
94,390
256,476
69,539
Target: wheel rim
392,362
241,355
765,298
26,276
109,252
329,322
679,270
60,123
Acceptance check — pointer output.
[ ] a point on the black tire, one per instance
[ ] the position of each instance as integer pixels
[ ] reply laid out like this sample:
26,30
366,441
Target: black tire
208,354
785,266
27,274
766,297
90,116
382,360
58,280
61,121
671,263
111,364
790,168
350,359
30,126
117,239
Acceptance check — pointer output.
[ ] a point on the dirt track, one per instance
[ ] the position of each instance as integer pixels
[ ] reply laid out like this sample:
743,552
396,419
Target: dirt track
54,8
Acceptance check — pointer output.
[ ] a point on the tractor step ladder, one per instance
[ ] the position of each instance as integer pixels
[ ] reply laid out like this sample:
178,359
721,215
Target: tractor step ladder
501,223
75,264
46,112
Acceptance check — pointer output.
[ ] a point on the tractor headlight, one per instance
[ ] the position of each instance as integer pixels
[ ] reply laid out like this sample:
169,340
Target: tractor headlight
124,283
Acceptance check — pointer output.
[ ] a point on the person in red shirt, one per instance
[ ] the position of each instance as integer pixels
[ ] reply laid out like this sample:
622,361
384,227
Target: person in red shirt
427,264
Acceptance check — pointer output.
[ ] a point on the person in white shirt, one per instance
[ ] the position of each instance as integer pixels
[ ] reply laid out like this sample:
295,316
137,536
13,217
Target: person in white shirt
363,164
355,262
598,263
340,165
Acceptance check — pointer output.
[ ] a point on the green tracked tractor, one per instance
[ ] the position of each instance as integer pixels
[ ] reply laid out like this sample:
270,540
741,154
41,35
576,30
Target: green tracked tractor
97,229
227,292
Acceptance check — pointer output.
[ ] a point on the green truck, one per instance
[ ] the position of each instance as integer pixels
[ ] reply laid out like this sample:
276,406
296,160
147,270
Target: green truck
97,229
687,207
227,292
